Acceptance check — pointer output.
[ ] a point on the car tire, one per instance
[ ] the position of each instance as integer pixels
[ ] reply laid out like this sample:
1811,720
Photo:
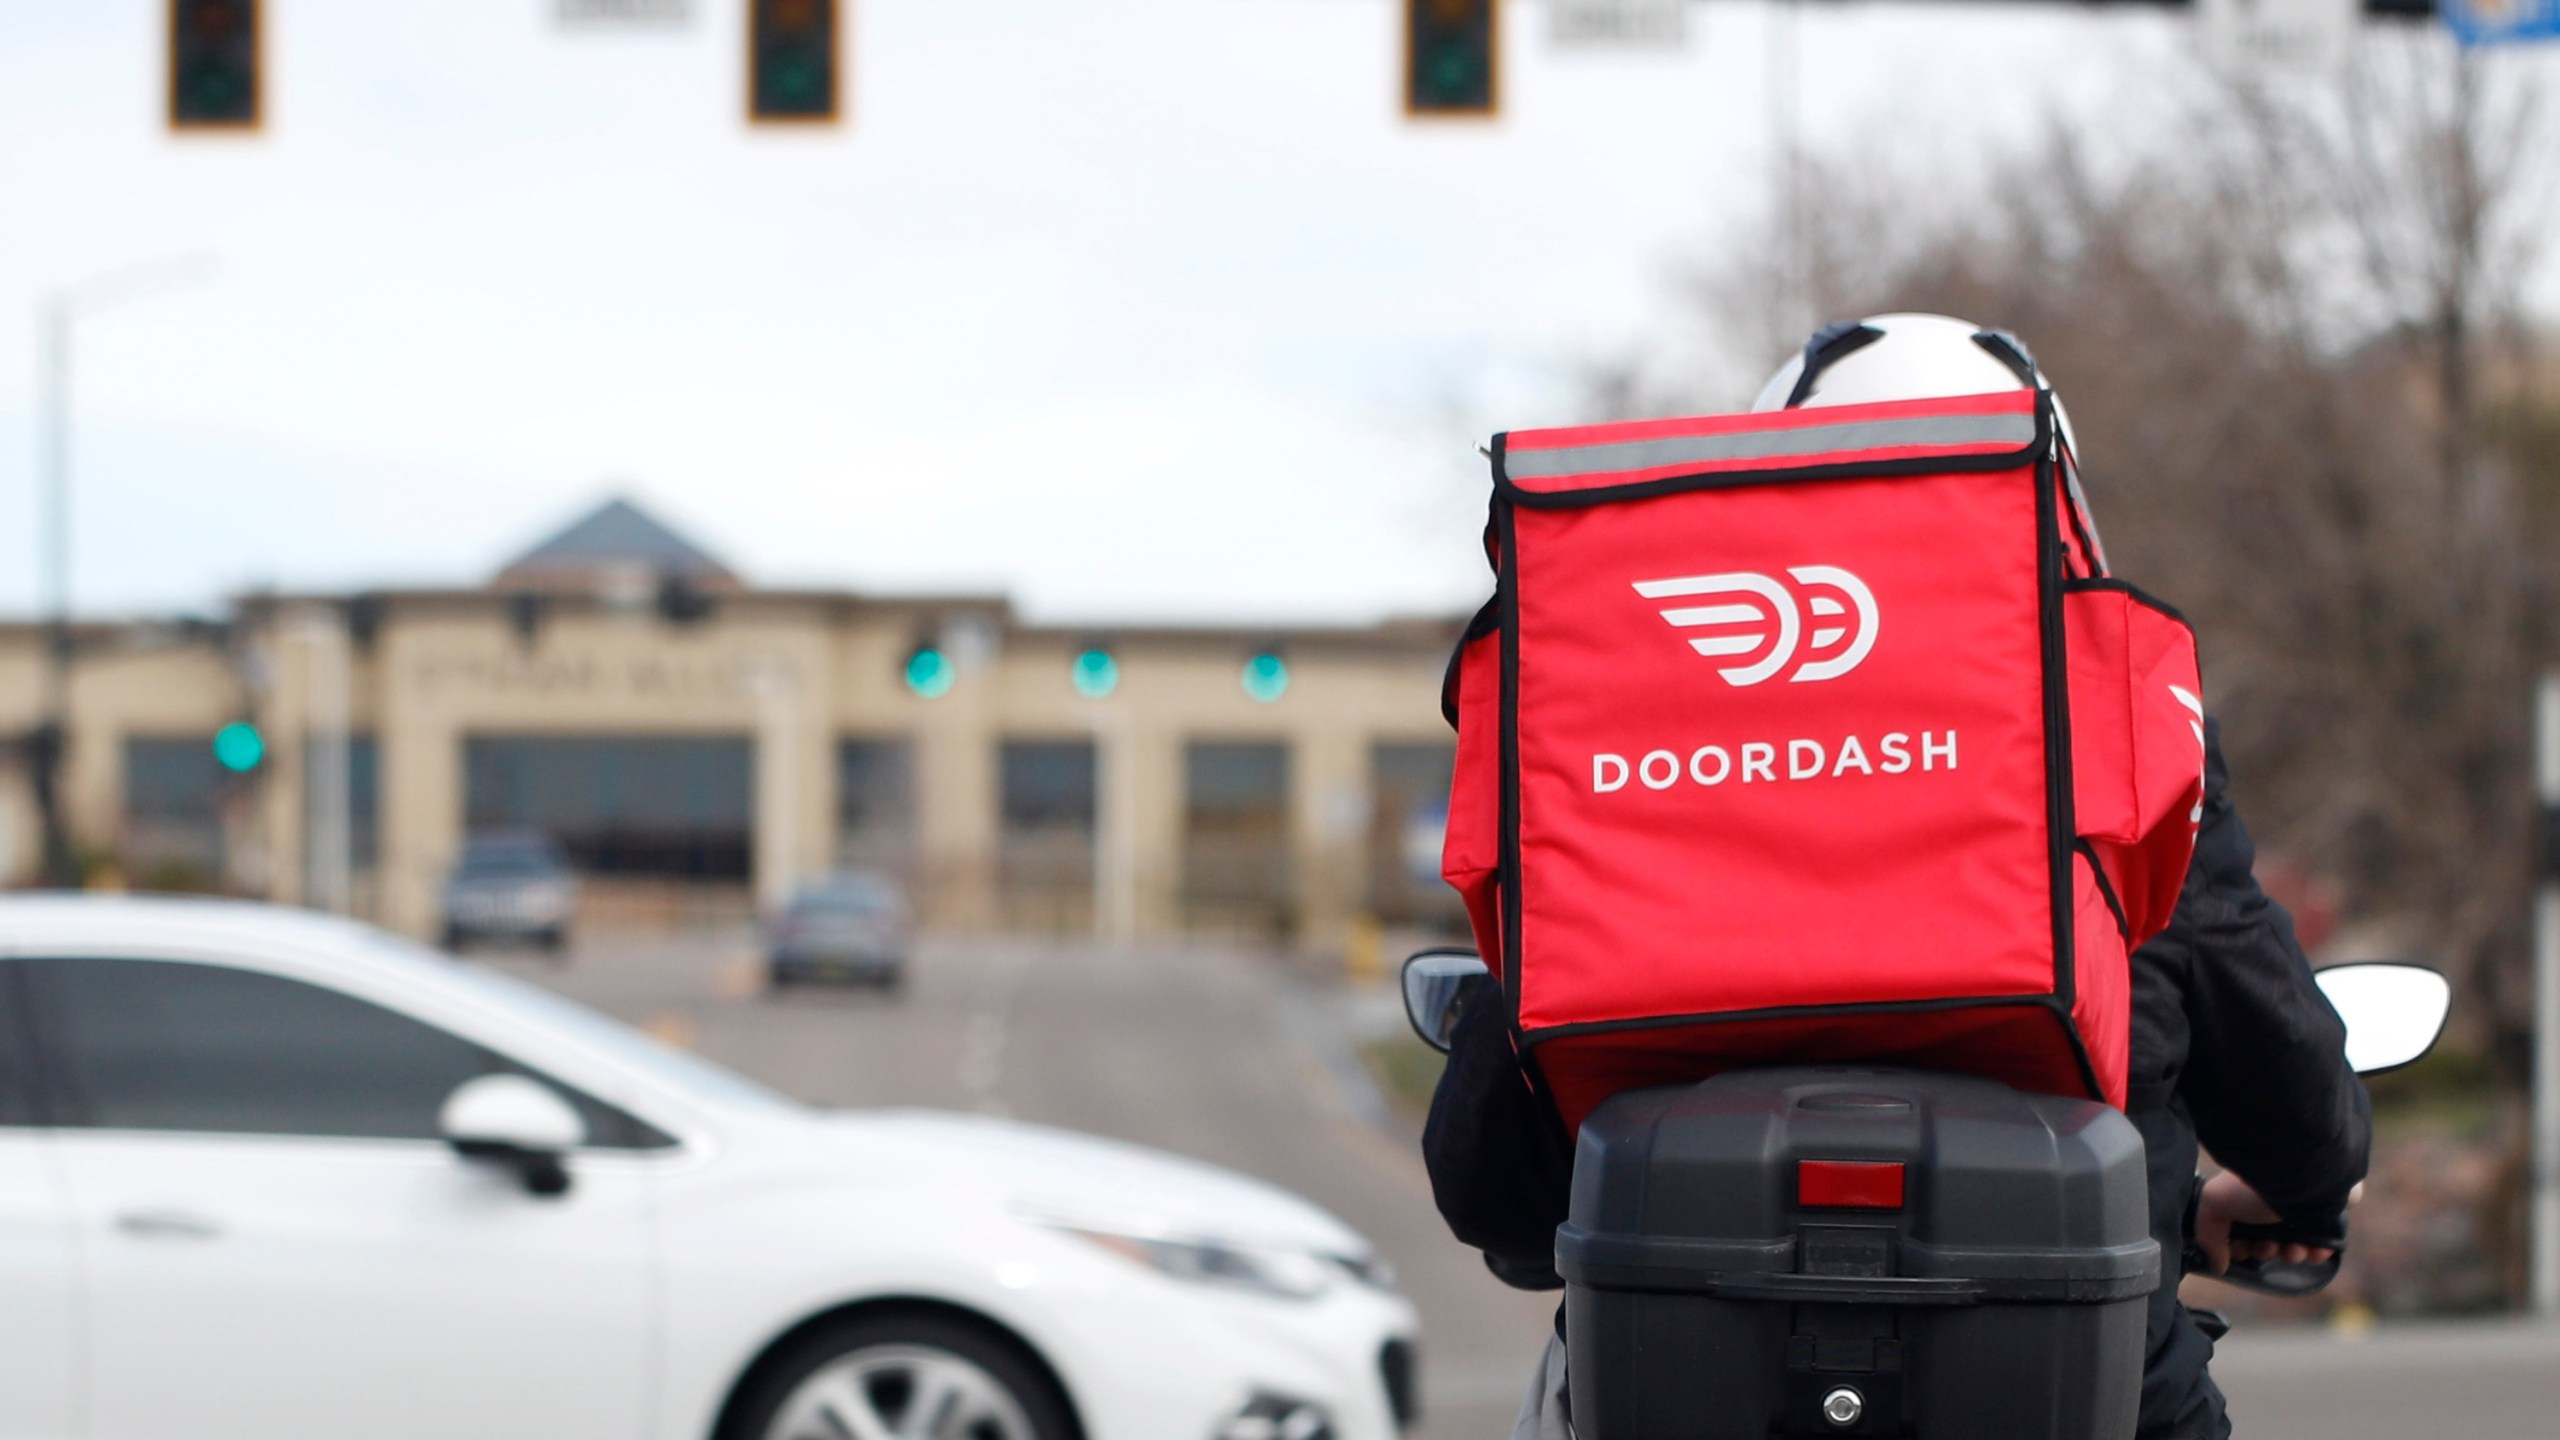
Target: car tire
453,938
555,943
891,1362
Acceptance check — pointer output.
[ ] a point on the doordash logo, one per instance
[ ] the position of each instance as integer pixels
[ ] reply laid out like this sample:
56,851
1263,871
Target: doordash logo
1752,611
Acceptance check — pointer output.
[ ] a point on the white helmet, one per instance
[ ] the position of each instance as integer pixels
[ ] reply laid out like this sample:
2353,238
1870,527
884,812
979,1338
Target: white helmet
1923,357
1906,357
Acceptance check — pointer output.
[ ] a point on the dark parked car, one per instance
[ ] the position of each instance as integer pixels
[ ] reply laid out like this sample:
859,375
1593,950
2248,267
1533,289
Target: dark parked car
851,927
510,886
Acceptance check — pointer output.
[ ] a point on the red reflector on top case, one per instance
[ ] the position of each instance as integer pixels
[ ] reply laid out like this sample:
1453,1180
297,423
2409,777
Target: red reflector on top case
1850,1184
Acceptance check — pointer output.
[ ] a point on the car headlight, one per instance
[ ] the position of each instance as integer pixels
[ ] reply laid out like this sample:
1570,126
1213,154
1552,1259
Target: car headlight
1265,1270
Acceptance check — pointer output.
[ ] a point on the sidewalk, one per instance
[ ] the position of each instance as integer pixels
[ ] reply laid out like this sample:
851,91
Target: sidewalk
2490,1379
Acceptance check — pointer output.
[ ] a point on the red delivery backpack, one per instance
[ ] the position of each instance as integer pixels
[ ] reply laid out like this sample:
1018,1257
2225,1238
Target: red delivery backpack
1817,735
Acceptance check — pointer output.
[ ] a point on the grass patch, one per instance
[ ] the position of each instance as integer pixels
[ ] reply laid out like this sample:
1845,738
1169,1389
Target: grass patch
1405,1068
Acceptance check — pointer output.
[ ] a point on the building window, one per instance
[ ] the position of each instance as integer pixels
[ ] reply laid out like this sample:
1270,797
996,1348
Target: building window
1408,819
876,806
1236,865
173,798
1045,844
658,806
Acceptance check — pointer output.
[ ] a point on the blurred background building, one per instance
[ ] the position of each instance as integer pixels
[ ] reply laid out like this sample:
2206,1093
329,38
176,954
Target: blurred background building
697,744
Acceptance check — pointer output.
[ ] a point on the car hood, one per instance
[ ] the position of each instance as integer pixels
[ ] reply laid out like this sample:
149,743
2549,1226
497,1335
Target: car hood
1061,1175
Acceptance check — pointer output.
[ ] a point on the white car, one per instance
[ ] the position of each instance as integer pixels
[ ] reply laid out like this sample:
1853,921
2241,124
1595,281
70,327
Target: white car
266,1174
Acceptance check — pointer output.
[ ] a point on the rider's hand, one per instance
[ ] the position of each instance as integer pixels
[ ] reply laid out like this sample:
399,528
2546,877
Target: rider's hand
2226,1199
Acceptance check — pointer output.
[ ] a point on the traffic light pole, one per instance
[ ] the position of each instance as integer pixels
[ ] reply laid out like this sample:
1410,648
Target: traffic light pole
48,746
2543,1185
60,870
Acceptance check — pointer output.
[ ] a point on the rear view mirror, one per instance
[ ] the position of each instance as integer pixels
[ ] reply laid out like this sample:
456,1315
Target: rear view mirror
2393,1012
515,1121
1435,985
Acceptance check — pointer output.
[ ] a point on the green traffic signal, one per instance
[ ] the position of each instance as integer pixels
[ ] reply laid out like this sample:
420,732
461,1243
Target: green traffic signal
213,63
1095,673
1266,677
238,747
930,673
792,59
1450,49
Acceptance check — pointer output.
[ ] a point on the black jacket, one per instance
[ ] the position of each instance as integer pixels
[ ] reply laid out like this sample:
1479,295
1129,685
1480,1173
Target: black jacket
2233,1046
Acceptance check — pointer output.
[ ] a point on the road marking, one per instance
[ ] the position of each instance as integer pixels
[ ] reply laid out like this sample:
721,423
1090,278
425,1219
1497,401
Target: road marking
983,1039
982,1054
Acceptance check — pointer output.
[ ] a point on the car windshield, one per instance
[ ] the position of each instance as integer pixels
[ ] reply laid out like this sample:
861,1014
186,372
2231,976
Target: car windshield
618,1042
859,895
508,858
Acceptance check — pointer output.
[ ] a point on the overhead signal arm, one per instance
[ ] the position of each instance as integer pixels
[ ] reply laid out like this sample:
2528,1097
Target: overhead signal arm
1453,48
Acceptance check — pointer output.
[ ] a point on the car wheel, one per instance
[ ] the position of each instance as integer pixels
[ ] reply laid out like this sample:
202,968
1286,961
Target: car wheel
929,1377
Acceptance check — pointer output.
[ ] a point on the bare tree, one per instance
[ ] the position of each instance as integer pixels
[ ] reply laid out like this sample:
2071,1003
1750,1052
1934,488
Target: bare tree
2290,328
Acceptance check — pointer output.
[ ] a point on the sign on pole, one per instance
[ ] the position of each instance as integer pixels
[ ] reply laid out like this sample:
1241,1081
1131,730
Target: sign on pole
608,14
2501,22
1623,24
2308,36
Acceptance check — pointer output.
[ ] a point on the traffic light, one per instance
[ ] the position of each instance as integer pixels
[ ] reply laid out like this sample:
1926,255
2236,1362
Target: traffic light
238,747
1095,673
929,671
1266,677
1451,56
213,64
792,50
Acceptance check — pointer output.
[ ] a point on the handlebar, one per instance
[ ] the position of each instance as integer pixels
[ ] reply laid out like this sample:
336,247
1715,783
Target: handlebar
2288,1278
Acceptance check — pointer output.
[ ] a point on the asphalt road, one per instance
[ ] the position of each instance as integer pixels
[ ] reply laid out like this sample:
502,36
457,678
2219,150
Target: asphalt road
1222,1056
1217,1055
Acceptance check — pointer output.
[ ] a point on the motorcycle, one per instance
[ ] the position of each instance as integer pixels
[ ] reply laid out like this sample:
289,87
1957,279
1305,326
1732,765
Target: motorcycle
1824,1250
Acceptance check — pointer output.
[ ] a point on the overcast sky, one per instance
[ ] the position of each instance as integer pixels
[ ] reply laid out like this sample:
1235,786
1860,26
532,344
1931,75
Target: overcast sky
1133,308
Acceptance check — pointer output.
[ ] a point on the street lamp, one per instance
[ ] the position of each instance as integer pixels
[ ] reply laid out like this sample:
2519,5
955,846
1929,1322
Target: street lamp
54,319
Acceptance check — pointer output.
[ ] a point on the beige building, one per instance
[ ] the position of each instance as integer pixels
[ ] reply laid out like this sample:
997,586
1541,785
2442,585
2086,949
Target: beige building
698,744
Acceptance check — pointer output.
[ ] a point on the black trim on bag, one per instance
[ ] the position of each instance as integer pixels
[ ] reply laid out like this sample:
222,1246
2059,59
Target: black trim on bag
1507,592
2106,887
2062,829
1478,625
2139,596
2080,1052
2052,1005
1545,1033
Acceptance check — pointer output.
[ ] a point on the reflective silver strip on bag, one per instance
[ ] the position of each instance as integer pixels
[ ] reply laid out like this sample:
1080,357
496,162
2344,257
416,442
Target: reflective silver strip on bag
2011,429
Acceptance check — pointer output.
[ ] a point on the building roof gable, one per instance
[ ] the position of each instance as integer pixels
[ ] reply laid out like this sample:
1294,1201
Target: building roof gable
616,536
